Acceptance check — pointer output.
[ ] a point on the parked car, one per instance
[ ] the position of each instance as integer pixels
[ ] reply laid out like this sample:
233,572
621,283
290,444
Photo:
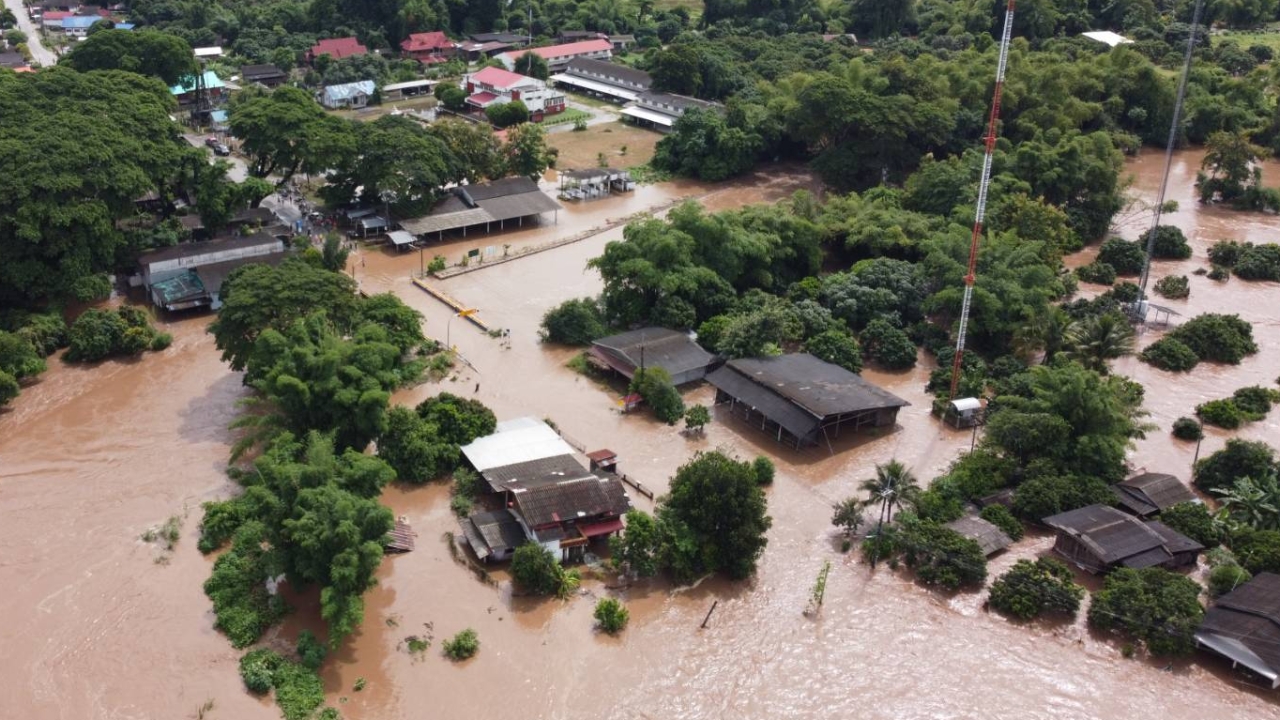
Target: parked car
219,148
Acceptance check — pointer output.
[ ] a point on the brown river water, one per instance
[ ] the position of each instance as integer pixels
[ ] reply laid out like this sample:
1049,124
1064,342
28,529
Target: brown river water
96,623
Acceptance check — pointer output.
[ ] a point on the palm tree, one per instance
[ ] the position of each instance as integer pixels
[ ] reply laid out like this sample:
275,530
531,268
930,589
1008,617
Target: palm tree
1255,503
892,486
1094,341
1046,332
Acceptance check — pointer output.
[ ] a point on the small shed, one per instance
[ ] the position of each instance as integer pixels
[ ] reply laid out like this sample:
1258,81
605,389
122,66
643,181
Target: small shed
1099,538
1146,494
670,350
1243,626
494,534
989,537
606,460
964,413
401,239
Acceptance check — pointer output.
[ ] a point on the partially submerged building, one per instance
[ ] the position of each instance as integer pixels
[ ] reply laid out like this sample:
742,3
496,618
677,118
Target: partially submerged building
1147,494
1099,538
673,351
546,495
802,399
989,537
510,199
190,275
594,183
1243,626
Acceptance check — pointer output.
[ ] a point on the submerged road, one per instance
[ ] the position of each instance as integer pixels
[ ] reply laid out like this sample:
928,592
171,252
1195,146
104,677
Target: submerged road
39,53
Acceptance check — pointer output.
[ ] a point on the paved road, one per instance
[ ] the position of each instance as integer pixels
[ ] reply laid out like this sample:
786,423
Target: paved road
39,53
285,208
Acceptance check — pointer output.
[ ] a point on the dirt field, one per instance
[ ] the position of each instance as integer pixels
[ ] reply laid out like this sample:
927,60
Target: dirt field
580,150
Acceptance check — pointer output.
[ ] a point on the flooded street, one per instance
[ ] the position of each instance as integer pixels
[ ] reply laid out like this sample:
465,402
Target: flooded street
93,627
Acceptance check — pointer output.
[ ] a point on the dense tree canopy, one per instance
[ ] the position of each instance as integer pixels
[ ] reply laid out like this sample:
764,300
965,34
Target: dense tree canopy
145,52
714,518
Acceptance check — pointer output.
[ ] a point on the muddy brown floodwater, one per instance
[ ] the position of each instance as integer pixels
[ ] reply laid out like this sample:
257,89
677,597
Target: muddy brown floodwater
93,627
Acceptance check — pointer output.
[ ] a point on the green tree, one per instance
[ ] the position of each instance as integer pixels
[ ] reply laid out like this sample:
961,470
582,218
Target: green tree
1158,607
888,346
258,297
474,145
714,518
636,549
525,152
654,385
573,322
677,69
1229,159
18,357
837,348
1038,498
58,219
146,52
9,388
462,646
397,162
1257,550
451,97
1000,516
892,487
413,448
696,418
881,18
1193,520
504,115
1239,458
536,570
1030,589
532,65
1212,336
285,132
1095,340
847,514
611,615
1252,503
942,556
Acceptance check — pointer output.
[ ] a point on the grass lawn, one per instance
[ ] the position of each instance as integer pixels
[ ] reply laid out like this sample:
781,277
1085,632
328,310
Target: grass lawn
580,150
570,115
1245,39
693,6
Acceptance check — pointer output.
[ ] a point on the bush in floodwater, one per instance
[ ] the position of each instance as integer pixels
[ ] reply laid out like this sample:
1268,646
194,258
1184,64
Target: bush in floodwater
1259,262
1227,577
1174,286
611,615
310,650
1096,272
1185,428
1255,401
1126,292
536,570
1030,589
1170,243
1221,413
462,646
257,669
1226,252
1000,516
1158,607
1193,520
1169,354
1126,257
764,470
1217,337
437,264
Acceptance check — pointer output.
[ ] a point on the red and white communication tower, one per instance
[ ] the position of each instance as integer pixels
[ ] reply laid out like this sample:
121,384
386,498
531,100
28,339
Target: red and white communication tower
990,141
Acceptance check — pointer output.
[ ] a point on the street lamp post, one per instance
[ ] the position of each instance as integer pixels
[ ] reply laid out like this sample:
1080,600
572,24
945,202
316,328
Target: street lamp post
448,327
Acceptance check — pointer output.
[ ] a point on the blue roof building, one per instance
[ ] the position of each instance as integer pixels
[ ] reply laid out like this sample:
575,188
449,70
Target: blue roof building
79,24
354,95
188,84
125,26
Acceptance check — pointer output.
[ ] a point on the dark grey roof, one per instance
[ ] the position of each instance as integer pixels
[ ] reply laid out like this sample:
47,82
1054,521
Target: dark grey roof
590,68
482,203
12,59
260,215
193,249
535,472
1249,615
1116,537
989,537
775,407
572,500
497,188
259,72
681,102
493,530
670,350
499,37
1149,493
820,388
509,207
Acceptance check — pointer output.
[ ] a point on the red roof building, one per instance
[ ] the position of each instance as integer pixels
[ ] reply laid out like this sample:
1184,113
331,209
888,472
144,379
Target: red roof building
429,47
337,48
494,86
558,56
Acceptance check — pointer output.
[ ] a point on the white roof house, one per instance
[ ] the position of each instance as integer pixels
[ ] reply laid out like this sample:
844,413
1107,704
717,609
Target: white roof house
516,441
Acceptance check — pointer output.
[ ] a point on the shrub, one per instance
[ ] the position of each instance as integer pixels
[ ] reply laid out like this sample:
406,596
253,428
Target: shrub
462,646
1126,292
9,388
888,345
1212,336
941,556
1219,273
1227,577
1126,257
1158,607
836,347
1000,516
1173,286
1185,428
1099,273
95,335
573,322
257,669
299,691
654,385
696,417
1040,497
161,341
1259,262
763,469
1030,589
1257,550
611,615
1170,243
1240,458
311,652
1254,401
1169,353
1222,413
1226,252
437,264
1193,520
507,114
536,570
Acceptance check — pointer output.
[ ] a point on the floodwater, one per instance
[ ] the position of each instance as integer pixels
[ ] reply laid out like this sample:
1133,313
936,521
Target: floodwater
93,627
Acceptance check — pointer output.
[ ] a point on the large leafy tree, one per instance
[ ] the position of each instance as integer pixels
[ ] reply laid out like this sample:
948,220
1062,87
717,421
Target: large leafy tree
1158,607
525,152
77,149
146,52
285,132
474,147
714,519
396,162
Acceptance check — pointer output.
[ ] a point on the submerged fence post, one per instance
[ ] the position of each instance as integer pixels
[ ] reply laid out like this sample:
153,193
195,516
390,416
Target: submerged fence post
708,617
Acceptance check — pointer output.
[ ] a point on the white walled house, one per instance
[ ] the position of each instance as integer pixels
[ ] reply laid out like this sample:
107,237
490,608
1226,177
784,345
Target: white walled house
494,86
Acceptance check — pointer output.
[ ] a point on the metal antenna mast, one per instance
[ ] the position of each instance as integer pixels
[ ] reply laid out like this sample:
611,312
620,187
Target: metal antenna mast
1139,308
983,185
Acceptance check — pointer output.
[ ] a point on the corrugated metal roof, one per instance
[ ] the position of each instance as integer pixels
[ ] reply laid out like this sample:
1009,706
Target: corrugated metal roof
989,537
775,407
193,249
820,388
346,91
1150,492
493,530
528,439
1116,537
534,472
670,350
585,499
